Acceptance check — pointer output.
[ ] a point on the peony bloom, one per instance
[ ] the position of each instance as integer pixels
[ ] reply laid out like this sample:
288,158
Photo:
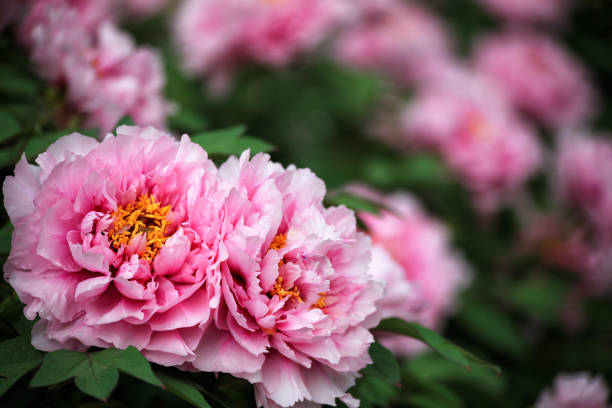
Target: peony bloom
106,77
538,76
413,256
528,10
400,39
578,390
468,124
584,177
114,241
294,299
139,240
215,36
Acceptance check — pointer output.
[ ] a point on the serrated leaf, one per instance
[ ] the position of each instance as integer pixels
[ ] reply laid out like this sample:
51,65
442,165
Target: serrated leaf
436,342
96,379
184,390
384,365
59,366
129,361
9,126
17,357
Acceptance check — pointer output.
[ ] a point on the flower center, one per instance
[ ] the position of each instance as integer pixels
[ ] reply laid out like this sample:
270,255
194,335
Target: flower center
278,289
278,242
320,304
144,216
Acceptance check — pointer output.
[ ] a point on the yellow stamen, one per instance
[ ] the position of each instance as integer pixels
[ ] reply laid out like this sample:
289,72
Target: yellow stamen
278,242
283,293
145,216
320,304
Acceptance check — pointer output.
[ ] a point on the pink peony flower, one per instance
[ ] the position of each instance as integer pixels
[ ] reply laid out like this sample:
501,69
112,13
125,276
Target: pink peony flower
578,390
538,76
584,176
215,36
413,256
114,241
106,77
139,240
469,125
400,39
528,10
295,300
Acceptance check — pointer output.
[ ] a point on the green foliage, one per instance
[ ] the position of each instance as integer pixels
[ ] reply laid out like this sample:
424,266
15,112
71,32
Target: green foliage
17,358
436,342
184,390
96,373
230,141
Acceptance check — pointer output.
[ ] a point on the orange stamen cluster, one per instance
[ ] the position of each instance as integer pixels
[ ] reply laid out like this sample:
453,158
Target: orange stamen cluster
144,216
278,289
278,242
320,304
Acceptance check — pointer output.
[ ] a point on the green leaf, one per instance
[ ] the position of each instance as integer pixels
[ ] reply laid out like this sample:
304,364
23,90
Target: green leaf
187,121
435,369
17,357
492,327
59,366
435,341
373,392
97,379
16,83
184,390
38,145
91,376
129,361
125,121
6,233
384,365
256,146
8,157
216,139
9,126
352,202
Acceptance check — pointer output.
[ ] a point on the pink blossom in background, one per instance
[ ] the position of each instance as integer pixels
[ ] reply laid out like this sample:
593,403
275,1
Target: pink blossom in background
294,300
114,241
469,125
528,10
413,256
538,76
104,74
214,36
578,390
400,39
584,176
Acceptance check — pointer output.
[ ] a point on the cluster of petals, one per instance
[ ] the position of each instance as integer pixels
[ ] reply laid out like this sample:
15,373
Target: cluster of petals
468,123
413,256
105,76
537,76
140,240
399,39
215,36
575,390
528,10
